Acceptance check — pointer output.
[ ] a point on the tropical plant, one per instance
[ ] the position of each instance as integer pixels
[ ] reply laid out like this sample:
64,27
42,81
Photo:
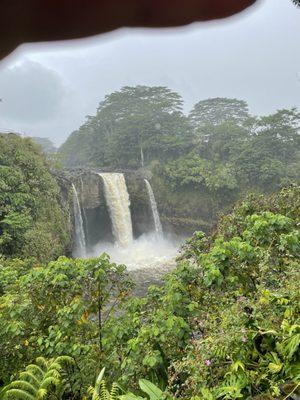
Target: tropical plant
152,391
33,221
100,391
42,380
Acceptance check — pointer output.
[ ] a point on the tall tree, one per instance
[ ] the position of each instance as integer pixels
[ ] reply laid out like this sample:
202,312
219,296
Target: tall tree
272,156
132,124
218,110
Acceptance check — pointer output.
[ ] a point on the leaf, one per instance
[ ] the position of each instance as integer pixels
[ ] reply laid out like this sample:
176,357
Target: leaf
152,391
98,383
275,368
131,396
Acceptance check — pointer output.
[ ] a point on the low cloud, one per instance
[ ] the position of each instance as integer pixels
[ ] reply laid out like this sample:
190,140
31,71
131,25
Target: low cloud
30,93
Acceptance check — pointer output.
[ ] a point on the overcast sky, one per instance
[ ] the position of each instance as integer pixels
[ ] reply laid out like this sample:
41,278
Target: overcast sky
47,90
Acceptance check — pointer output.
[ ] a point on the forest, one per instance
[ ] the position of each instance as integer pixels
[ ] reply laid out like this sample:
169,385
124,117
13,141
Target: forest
201,163
222,324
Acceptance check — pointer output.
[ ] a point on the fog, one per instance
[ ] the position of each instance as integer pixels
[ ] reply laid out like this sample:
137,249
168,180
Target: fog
48,89
147,251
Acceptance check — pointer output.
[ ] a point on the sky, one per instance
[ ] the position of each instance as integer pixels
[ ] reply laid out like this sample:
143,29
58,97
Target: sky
47,90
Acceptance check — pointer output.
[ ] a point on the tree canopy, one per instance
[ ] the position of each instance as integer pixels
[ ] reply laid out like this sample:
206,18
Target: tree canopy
32,220
145,122
218,110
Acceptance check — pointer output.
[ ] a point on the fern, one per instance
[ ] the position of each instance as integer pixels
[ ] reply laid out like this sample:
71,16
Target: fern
114,392
100,391
37,381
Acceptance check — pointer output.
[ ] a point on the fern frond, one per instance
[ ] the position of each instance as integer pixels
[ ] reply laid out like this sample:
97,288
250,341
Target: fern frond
65,360
41,394
55,366
50,381
92,392
18,394
114,391
29,377
35,381
52,372
104,394
36,370
23,385
42,362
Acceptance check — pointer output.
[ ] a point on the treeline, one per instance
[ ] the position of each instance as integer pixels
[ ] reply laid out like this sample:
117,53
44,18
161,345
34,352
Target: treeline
219,145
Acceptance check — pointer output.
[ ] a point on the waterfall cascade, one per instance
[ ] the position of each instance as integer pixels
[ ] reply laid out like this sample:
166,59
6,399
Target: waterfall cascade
142,157
80,241
157,223
117,199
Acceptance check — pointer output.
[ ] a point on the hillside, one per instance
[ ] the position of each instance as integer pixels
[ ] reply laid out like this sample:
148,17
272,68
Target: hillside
33,220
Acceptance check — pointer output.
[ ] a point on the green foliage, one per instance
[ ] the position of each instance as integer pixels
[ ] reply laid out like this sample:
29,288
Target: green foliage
60,308
262,154
219,110
196,171
153,392
100,392
32,219
42,380
247,329
224,325
140,120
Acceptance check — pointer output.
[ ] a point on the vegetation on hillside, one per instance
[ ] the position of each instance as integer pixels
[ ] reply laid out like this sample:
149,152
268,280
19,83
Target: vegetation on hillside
201,163
46,144
33,221
225,324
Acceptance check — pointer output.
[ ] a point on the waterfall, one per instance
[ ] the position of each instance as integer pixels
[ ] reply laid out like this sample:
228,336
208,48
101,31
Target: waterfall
142,157
79,230
157,223
117,200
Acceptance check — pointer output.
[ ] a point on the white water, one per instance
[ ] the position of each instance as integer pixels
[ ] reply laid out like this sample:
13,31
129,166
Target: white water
152,252
148,251
80,243
157,223
117,200
142,157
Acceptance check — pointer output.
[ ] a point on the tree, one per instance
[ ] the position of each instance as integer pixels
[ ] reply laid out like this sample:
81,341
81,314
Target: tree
218,110
32,219
266,160
131,124
223,141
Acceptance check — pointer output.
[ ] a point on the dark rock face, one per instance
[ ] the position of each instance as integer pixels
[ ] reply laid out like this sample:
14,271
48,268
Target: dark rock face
95,211
141,214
